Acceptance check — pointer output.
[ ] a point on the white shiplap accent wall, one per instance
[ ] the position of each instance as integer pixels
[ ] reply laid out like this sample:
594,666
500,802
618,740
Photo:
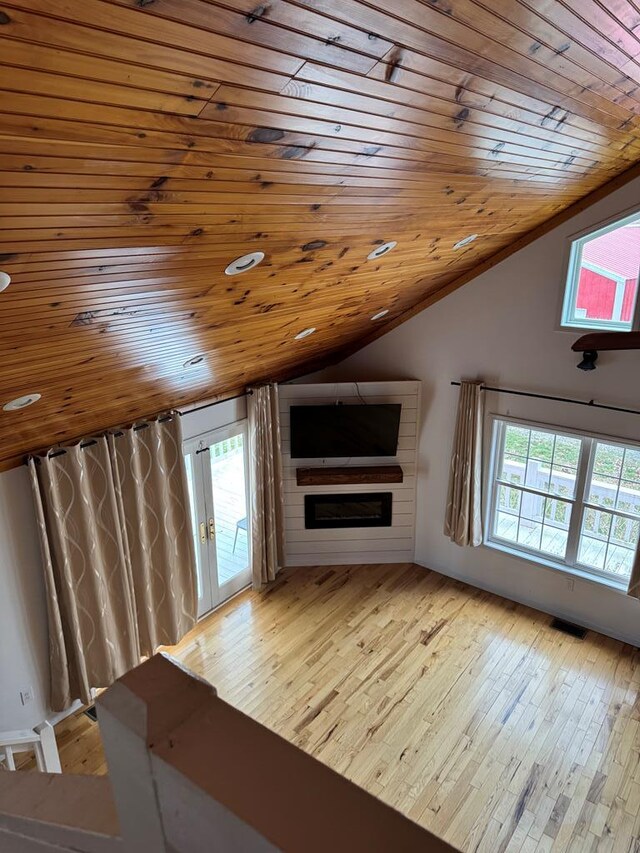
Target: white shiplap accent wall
393,544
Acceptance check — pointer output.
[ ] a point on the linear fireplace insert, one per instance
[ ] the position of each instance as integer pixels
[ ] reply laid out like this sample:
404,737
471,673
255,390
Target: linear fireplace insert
366,509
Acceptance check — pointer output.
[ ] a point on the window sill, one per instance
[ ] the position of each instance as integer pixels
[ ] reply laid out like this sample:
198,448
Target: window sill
575,327
610,583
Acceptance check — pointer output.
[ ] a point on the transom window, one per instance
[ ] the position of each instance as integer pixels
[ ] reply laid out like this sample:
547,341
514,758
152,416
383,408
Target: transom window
602,281
573,500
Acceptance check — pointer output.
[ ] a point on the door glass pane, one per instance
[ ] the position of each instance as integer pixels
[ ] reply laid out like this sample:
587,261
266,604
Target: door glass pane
230,507
189,463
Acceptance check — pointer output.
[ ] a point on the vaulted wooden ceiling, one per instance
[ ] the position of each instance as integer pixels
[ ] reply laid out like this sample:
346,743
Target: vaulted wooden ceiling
144,144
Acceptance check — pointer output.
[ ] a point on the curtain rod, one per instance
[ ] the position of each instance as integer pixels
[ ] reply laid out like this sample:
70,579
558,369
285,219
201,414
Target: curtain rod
591,403
216,403
91,441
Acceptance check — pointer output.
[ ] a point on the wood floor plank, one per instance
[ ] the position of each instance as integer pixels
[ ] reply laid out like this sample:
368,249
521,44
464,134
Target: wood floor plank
465,711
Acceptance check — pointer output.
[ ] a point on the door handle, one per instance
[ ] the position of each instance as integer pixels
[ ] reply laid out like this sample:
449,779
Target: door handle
212,529
203,532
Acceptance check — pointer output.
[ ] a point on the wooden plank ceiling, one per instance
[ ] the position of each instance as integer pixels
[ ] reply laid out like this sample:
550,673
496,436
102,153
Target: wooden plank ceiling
144,144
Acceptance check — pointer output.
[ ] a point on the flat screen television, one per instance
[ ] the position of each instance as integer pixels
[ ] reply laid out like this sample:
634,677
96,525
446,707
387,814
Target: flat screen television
318,432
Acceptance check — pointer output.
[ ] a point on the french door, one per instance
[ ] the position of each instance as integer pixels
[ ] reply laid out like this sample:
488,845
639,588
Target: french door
217,475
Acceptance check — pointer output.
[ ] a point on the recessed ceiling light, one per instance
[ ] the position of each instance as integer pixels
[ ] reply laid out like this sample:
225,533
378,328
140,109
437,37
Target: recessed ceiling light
304,333
380,314
191,362
465,242
5,280
246,262
21,402
379,251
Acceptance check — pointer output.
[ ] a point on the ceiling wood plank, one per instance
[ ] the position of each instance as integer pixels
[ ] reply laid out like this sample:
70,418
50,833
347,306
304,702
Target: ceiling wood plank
143,146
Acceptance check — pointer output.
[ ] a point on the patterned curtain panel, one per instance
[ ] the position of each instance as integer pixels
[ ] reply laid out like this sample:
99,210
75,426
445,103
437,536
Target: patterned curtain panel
463,517
267,519
117,553
634,582
151,490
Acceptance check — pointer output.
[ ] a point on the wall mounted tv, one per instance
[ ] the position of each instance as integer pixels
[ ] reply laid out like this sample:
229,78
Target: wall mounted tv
318,432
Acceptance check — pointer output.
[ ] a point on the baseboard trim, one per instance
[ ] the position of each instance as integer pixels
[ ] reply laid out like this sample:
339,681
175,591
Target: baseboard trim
535,605
354,558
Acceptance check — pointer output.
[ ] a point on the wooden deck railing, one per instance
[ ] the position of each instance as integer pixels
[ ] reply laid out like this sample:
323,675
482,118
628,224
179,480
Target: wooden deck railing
187,772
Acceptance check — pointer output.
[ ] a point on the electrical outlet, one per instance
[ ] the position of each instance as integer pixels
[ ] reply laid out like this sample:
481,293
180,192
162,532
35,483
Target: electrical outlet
26,695
570,583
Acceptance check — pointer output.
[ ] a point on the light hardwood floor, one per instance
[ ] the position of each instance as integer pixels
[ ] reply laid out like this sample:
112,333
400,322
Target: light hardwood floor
465,711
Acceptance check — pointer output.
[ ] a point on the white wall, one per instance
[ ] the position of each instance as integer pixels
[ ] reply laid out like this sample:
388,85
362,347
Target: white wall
24,656
334,546
502,327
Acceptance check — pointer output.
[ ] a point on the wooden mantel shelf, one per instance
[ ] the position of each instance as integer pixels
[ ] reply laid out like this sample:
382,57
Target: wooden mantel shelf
355,475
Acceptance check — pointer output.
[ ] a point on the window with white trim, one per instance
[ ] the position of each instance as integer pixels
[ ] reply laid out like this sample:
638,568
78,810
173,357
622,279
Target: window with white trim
602,279
569,499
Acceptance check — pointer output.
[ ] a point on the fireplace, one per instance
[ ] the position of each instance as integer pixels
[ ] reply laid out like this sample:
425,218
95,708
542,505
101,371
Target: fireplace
367,509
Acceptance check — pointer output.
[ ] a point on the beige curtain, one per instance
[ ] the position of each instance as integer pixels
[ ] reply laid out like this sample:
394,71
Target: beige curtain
267,524
117,552
463,517
153,503
634,582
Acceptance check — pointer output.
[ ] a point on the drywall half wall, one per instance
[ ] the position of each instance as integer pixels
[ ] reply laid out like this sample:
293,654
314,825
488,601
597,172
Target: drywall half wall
503,327
24,655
